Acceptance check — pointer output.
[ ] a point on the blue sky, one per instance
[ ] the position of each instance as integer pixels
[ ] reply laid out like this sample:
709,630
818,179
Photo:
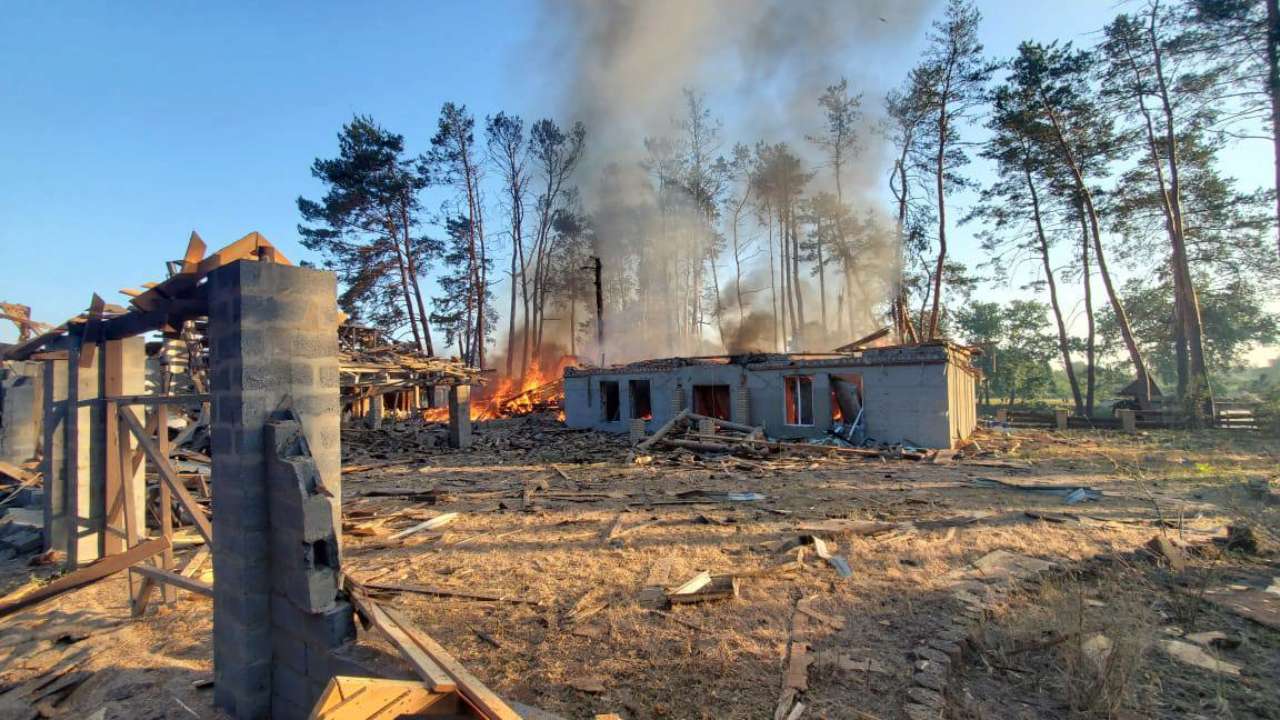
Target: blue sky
123,126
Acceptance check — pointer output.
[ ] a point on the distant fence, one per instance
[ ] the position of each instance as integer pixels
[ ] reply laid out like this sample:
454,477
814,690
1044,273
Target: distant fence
1228,415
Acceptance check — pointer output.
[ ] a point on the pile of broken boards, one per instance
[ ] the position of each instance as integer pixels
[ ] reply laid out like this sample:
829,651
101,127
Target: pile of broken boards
705,435
21,514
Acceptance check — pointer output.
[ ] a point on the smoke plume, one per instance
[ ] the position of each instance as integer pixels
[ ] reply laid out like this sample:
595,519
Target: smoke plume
761,66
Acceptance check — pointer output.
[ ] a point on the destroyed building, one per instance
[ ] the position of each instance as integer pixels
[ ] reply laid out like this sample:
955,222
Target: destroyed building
923,395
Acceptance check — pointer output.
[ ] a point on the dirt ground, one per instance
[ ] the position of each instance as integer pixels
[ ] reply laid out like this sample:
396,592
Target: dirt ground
575,634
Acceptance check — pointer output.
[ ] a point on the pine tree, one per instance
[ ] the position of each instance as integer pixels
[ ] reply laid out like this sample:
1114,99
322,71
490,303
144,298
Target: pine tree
364,227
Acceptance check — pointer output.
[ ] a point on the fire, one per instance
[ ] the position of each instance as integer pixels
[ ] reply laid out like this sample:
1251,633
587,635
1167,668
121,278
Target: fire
511,396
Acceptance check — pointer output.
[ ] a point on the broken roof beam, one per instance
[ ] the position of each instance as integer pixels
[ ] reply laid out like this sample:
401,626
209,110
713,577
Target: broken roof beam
864,341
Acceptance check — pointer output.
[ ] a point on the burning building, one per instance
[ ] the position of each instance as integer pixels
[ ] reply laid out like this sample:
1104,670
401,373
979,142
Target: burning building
922,395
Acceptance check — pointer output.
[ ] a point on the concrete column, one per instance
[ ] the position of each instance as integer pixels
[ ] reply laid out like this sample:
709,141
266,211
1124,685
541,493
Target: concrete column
677,399
84,474
1128,420
374,417
459,416
21,411
274,357
54,463
1061,416
741,410
636,430
122,368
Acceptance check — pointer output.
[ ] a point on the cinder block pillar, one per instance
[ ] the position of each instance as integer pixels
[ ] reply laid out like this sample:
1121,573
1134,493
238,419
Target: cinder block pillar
1061,415
459,416
1128,420
677,399
22,398
1002,416
54,463
741,410
274,356
706,426
374,418
636,430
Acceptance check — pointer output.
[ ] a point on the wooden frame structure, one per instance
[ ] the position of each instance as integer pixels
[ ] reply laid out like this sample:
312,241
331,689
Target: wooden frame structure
129,442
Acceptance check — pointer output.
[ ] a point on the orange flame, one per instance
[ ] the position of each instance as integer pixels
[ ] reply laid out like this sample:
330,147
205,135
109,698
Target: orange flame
507,397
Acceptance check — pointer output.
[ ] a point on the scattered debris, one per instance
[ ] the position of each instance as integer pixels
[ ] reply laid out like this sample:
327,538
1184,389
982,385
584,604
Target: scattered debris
1195,655
1070,495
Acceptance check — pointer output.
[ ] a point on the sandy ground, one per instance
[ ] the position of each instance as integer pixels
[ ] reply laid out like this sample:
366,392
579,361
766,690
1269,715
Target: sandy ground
536,503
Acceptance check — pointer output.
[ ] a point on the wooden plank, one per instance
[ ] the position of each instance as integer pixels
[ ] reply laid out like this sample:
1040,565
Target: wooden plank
160,416
113,384
194,253
427,669
195,562
662,431
174,579
165,470
91,332
85,575
469,594
187,399
22,475
467,684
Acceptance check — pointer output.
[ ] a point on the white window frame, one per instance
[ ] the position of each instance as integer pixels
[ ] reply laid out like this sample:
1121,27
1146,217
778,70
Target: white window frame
787,380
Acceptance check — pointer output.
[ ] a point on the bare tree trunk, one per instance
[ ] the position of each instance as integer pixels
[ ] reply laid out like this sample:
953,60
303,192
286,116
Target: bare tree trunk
1122,317
1063,338
1273,94
940,169
719,309
404,285
421,309
1198,389
822,276
942,227
773,287
796,285
1090,370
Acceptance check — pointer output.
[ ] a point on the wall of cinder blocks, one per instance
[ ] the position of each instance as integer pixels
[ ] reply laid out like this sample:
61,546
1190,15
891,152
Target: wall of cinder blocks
21,407
277,487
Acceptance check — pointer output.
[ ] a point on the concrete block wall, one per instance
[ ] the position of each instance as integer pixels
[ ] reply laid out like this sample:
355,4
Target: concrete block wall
21,410
53,465
274,355
74,439
308,619
914,397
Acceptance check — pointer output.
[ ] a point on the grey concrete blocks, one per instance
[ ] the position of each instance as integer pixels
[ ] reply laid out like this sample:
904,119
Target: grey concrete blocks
460,416
21,411
276,485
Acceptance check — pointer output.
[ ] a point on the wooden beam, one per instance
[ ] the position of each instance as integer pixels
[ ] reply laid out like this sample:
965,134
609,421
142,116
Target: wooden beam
427,669
187,399
173,579
92,330
160,416
88,574
486,700
662,431
165,470
112,384
194,254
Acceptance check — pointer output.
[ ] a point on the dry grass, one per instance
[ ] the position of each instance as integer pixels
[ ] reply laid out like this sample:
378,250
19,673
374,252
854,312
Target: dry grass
655,666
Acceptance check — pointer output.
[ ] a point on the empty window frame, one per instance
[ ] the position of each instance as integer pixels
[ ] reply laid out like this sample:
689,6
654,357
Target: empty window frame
799,399
846,397
711,400
610,407
641,401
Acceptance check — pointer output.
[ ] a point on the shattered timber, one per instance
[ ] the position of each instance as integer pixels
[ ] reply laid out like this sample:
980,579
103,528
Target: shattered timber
271,512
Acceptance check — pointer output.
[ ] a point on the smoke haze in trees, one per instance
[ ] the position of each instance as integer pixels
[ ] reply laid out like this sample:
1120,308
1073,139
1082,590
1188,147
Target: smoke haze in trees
667,88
